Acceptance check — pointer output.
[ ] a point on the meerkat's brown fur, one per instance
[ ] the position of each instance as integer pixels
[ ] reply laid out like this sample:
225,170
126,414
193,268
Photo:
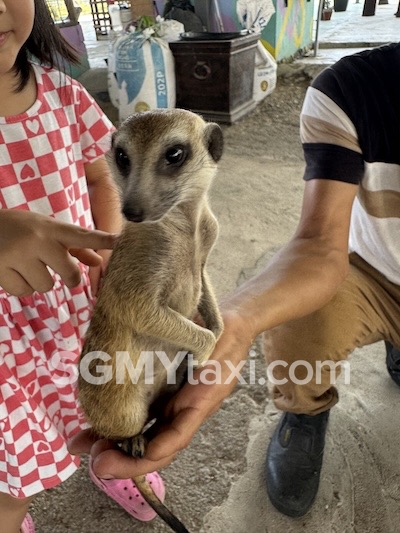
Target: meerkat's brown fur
156,282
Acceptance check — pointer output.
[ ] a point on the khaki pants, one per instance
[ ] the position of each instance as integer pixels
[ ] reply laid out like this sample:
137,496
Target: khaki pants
366,309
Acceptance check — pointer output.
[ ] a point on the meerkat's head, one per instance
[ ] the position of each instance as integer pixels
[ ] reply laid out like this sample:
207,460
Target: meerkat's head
161,158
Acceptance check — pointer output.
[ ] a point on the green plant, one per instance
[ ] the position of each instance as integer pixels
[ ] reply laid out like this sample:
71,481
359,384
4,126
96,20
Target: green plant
145,22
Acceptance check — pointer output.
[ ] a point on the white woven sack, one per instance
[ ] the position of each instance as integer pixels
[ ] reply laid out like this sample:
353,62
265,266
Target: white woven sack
265,73
112,83
145,74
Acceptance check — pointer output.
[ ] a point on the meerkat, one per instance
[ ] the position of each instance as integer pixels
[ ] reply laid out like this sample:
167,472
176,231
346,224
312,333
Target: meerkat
156,282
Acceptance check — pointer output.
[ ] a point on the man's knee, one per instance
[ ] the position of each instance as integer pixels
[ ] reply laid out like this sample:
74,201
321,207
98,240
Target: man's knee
304,359
330,333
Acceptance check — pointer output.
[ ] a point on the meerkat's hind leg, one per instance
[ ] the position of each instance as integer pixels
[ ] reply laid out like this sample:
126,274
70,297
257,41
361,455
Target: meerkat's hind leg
134,446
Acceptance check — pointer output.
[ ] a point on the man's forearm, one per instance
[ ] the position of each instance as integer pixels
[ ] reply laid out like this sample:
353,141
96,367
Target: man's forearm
300,279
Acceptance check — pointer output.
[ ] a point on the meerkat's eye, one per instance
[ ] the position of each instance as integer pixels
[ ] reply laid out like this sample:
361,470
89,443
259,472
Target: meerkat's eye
175,155
122,160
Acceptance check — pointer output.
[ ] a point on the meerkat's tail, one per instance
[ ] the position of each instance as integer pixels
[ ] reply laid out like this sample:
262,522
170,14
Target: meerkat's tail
163,512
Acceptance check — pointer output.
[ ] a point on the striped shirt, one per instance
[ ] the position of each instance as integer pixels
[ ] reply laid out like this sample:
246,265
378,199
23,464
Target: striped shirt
350,130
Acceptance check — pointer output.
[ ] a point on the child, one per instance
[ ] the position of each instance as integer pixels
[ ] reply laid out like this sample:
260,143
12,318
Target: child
54,189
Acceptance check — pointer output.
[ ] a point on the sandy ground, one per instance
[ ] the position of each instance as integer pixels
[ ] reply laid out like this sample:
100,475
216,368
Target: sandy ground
217,483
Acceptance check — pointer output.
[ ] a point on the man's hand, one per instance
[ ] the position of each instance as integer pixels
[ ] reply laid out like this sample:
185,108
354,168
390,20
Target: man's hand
30,242
183,415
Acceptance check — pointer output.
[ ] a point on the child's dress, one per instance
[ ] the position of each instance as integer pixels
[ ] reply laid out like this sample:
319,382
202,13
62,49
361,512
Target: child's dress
42,157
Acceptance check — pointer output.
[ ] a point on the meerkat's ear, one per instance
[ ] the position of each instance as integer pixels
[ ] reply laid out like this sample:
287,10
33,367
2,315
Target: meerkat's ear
214,140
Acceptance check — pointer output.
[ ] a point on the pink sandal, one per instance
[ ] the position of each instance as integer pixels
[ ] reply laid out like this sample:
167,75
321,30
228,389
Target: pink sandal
27,525
125,493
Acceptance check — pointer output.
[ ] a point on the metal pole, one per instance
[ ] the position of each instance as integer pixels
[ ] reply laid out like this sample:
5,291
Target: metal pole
316,42
218,17
71,11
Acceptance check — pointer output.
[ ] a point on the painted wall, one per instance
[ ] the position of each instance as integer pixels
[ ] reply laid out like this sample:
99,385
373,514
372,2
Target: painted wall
288,30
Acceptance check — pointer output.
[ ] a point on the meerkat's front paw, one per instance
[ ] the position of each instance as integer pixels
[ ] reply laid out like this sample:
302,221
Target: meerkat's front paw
202,355
212,320
217,327
134,446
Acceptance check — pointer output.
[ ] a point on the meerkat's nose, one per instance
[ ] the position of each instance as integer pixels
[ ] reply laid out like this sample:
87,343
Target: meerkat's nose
132,214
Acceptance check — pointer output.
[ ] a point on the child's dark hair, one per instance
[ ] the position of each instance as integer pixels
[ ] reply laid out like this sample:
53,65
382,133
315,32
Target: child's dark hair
44,43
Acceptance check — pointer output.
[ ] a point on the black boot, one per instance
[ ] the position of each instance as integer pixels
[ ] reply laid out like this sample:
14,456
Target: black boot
294,461
393,362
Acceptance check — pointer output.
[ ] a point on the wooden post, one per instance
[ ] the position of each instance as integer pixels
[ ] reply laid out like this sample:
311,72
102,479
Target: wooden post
369,8
142,7
69,4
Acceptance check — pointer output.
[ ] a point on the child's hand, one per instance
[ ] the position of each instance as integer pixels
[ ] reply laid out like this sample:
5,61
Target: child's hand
30,242
96,273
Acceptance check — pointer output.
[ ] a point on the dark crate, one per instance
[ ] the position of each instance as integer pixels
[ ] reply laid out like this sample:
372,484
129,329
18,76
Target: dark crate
215,77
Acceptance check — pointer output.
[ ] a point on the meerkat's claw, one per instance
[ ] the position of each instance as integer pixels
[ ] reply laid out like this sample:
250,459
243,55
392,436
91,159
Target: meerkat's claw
200,361
201,357
134,446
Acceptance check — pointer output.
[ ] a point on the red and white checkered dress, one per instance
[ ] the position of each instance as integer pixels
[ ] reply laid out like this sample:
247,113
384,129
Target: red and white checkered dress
42,157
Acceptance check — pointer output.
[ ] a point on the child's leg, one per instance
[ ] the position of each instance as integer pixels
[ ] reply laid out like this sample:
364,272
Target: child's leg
12,512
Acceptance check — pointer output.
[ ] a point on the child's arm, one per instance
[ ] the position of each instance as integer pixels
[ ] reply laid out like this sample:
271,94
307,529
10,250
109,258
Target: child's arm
106,209
29,242
104,197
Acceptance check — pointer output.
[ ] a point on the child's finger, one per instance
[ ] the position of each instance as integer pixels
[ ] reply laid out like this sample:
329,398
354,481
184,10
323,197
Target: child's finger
75,237
13,283
86,256
61,262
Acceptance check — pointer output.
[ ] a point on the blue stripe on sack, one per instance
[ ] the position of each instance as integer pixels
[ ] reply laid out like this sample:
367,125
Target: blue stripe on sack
130,66
159,74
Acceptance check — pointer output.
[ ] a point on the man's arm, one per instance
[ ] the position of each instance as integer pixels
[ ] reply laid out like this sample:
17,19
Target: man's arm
305,274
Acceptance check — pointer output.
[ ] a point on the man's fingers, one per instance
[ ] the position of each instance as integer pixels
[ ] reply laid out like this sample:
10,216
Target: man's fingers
175,436
112,463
